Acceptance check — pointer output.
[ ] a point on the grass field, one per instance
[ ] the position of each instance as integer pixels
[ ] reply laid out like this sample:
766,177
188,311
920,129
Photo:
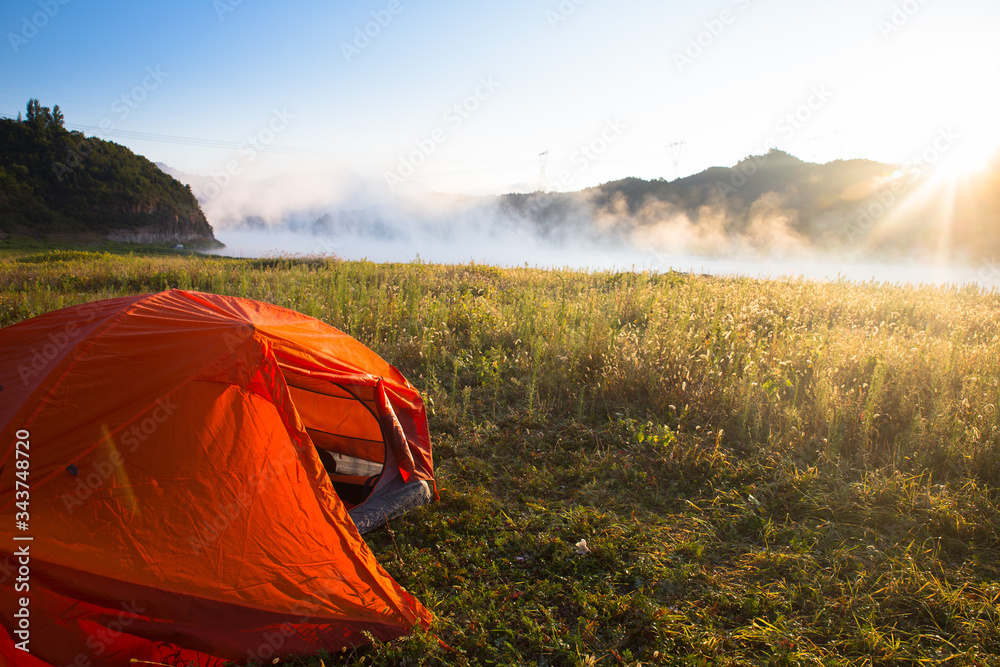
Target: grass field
765,472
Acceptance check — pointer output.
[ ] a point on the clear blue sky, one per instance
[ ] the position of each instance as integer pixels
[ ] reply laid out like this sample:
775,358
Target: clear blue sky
884,77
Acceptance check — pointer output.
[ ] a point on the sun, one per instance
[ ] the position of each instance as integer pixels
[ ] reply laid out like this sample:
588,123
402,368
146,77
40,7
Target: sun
944,104
967,158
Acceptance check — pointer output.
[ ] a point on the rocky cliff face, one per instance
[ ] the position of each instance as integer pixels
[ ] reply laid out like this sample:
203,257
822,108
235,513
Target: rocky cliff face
160,233
153,224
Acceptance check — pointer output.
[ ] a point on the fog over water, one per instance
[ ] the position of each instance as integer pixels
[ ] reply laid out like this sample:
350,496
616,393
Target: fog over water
520,249
298,215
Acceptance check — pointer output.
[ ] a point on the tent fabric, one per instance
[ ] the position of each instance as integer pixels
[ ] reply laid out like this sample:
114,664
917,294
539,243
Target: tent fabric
179,510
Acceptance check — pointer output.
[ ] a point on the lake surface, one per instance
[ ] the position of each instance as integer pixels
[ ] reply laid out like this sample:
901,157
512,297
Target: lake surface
513,249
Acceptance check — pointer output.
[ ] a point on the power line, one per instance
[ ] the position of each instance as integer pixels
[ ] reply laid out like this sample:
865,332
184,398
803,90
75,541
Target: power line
222,144
217,143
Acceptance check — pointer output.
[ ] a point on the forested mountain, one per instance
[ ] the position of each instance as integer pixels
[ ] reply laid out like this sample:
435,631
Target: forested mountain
777,203
58,183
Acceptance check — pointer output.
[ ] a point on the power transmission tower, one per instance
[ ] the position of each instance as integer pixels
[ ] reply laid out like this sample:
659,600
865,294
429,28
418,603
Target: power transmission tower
813,143
674,150
543,158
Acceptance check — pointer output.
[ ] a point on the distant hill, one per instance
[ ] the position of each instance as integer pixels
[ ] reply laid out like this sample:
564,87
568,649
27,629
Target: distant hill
60,184
777,203
772,205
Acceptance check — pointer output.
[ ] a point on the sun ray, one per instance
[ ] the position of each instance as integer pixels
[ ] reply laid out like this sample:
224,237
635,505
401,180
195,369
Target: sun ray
115,460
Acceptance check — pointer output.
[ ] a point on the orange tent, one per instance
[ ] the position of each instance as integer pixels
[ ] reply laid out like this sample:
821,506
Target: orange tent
177,475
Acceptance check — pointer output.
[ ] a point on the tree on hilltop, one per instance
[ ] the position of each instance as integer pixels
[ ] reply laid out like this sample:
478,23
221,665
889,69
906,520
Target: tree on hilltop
43,118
